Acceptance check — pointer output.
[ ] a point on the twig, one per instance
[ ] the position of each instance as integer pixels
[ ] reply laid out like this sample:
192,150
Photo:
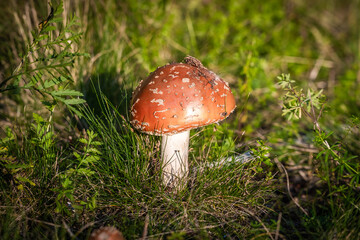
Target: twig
288,187
68,229
278,227
259,220
85,227
316,69
192,230
146,225
39,221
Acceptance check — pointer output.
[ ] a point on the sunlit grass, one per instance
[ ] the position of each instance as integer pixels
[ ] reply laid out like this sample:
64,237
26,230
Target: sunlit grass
63,184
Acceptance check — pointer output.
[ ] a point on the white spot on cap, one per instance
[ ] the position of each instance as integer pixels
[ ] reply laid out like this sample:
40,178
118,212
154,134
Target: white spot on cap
156,76
164,80
160,111
192,85
186,80
217,79
223,95
137,100
152,82
160,102
161,73
155,91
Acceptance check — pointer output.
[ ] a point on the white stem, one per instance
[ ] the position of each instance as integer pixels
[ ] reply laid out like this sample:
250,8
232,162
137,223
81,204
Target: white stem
175,151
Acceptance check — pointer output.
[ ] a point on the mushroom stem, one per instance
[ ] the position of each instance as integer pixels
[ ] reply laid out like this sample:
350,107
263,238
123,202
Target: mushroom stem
175,151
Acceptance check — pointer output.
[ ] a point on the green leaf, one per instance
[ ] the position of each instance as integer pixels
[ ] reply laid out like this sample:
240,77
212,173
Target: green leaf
78,157
59,9
77,207
54,81
96,143
91,159
48,28
22,179
15,84
18,166
74,110
56,19
94,150
67,183
74,101
49,105
83,140
28,85
38,119
67,92
42,37
85,171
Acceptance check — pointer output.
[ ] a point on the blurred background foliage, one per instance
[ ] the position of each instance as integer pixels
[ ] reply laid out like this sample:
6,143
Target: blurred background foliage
247,43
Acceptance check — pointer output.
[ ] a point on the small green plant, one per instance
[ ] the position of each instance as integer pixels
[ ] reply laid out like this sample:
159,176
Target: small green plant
262,152
44,66
336,161
335,165
81,168
43,140
10,168
296,103
44,136
44,71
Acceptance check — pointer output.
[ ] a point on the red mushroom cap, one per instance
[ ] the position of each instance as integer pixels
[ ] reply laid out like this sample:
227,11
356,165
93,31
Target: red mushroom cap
106,233
178,97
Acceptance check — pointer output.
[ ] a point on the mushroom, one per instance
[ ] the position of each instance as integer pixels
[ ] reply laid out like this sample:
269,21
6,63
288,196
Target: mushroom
106,233
173,100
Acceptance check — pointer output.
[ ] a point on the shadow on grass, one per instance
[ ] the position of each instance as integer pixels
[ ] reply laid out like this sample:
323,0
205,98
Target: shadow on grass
119,94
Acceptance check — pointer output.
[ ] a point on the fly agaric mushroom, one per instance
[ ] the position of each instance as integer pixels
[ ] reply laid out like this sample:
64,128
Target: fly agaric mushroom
106,233
173,100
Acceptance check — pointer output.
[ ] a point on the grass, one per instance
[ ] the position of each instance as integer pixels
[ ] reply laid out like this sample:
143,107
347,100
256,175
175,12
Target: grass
68,168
